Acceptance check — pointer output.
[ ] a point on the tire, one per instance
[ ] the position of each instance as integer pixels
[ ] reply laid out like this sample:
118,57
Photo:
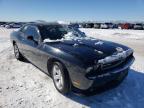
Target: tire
17,54
60,78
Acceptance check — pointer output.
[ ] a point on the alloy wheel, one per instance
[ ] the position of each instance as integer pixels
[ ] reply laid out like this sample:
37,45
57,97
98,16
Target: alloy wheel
16,51
58,78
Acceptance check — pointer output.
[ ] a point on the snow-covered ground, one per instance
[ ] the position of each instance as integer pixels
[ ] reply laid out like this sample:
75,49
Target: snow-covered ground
130,34
24,86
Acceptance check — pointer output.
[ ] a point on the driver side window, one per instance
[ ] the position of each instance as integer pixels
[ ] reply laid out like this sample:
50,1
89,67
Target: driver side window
31,31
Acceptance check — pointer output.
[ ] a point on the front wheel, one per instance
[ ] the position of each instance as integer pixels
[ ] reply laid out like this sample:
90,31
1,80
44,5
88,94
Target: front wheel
17,54
60,78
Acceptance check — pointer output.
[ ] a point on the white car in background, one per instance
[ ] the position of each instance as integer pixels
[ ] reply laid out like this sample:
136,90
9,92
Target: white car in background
103,26
7,26
138,27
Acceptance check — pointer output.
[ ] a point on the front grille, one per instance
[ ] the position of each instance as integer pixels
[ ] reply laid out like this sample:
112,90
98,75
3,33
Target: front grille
111,65
115,63
108,68
122,63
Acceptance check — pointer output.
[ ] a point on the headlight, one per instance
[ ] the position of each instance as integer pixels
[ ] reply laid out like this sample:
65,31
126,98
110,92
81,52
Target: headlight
92,68
89,69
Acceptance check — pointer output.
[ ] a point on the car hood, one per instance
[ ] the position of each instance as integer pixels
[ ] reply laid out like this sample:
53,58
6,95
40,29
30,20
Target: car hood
88,50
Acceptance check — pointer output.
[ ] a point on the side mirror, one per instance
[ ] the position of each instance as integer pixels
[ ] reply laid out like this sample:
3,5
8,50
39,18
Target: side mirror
30,38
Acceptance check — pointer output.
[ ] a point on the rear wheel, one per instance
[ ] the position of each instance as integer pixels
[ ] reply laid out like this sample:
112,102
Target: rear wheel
60,78
17,54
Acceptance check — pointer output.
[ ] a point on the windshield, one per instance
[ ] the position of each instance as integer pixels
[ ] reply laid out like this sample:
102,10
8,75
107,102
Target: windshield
56,32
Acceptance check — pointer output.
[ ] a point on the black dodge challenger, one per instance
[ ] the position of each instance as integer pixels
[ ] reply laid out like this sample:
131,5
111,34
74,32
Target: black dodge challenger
72,59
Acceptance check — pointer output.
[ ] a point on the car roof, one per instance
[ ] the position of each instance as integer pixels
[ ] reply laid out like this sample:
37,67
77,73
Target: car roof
43,23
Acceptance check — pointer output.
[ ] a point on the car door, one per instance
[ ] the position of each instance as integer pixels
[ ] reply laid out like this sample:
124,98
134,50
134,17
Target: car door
29,46
33,48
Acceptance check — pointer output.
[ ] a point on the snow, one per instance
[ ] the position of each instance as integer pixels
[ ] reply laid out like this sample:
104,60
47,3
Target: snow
22,85
99,43
132,34
72,36
100,52
49,40
115,57
63,22
68,36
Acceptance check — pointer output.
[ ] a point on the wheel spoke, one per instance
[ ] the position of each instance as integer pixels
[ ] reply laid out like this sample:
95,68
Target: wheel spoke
16,51
59,84
57,75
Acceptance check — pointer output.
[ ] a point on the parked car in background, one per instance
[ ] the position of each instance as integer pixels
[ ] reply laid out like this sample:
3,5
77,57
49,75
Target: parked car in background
126,26
7,25
119,25
143,26
2,24
89,25
110,25
115,26
83,25
131,26
80,25
72,59
75,25
103,26
138,26
14,25
97,25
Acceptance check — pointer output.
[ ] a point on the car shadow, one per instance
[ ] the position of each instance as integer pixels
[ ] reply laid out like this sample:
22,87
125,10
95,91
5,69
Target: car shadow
130,93
24,60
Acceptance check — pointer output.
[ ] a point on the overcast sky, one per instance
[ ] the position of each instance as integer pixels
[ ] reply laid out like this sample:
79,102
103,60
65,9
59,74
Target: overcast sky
71,10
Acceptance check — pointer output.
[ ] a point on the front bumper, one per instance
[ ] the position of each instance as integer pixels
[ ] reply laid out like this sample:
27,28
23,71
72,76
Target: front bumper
118,73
